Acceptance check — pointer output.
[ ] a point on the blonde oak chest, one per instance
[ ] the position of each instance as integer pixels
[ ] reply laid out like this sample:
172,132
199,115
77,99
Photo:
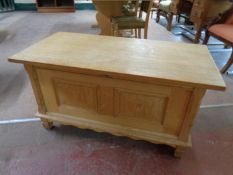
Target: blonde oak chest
142,89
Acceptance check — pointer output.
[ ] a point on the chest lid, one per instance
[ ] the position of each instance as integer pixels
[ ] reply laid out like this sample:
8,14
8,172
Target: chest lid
127,58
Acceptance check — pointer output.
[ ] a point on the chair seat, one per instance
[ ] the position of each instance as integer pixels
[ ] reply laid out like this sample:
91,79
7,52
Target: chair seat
230,20
165,5
128,22
224,31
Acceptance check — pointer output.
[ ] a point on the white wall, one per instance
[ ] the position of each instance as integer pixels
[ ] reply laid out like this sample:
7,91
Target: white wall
25,1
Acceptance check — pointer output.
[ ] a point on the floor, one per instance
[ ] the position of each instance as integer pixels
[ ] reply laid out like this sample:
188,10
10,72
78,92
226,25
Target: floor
27,148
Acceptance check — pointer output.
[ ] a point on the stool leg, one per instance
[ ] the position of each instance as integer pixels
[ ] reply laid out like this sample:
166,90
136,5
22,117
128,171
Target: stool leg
228,64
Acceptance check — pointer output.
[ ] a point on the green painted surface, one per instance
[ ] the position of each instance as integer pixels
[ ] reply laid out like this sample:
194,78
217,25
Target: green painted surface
25,7
32,6
85,6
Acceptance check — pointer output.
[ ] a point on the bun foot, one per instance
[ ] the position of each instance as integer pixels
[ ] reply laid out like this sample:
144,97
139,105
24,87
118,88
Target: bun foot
47,124
179,151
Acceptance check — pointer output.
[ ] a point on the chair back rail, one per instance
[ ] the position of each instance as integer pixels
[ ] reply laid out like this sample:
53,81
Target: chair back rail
222,29
225,17
146,6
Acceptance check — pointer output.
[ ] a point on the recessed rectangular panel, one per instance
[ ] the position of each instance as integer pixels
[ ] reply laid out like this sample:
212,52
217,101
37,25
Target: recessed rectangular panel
140,105
75,94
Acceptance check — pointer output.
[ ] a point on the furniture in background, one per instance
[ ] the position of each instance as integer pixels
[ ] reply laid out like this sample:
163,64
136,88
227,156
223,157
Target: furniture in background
105,11
204,11
184,10
222,29
7,5
55,6
166,9
141,89
131,8
169,8
133,22
155,7
201,12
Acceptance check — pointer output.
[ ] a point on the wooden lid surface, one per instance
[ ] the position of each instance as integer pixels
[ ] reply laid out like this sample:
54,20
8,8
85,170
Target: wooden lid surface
127,58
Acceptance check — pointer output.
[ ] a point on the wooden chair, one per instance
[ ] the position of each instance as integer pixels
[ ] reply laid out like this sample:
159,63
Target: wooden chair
164,9
133,22
222,29
131,8
155,7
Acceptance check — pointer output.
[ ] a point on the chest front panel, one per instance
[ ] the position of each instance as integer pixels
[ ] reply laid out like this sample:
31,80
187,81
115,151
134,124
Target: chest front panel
132,104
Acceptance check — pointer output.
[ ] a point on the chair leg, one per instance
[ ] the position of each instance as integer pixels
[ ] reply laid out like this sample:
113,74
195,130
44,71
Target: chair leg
207,36
197,35
114,29
178,19
131,31
145,32
226,46
136,33
169,21
139,33
228,64
158,16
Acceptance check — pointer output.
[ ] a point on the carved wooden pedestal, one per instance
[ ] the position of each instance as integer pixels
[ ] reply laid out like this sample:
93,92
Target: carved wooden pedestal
105,11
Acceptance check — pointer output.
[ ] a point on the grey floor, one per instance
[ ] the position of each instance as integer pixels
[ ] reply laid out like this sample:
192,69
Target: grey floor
19,30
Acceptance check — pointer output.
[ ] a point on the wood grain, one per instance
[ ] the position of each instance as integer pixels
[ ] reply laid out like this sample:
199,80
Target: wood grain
152,61
142,89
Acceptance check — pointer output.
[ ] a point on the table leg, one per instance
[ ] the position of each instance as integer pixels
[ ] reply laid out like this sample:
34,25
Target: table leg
198,33
104,24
